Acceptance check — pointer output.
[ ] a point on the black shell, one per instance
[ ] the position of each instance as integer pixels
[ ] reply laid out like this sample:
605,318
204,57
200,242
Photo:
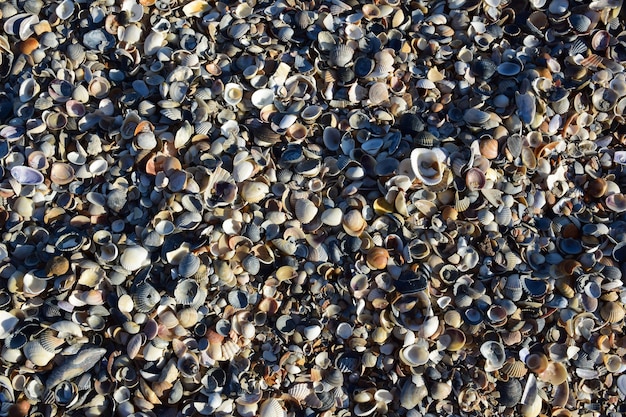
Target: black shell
483,68
410,123
510,392
411,282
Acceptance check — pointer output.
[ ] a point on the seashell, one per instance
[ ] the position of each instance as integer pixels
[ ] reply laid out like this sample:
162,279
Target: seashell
427,165
61,173
233,94
600,40
509,69
489,148
188,292
196,8
263,97
377,258
189,265
271,408
514,368
453,339
75,365
378,93
70,242
475,117
7,323
616,202
612,311
145,298
37,354
134,258
353,223
510,392
305,210
555,373
537,362
483,68
341,55
29,89
65,9
414,355
26,175
99,87
495,355
604,99
475,179
254,191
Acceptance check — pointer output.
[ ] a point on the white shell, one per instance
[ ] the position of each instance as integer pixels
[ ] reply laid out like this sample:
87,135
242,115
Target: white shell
134,257
262,97
37,354
271,408
65,9
7,323
233,94
305,210
427,165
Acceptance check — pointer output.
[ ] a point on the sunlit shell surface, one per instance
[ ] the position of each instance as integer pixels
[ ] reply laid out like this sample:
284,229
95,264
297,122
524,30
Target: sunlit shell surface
291,208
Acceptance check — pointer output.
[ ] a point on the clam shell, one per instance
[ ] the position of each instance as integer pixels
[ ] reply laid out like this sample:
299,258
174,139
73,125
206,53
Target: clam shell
26,175
510,392
414,355
305,211
7,323
427,165
494,353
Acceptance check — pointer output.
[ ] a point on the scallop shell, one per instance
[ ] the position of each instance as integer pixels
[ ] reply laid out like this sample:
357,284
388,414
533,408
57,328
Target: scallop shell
145,298
271,408
612,311
514,368
341,55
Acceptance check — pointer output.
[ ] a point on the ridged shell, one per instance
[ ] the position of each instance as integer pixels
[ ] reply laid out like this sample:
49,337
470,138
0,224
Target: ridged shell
612,311
271,408
341,55
514,368
189,265
134,257
145,298
37,354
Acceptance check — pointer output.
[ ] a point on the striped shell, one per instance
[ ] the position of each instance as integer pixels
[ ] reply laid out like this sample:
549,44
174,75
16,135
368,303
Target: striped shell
514,368
341,55
271,408
612,311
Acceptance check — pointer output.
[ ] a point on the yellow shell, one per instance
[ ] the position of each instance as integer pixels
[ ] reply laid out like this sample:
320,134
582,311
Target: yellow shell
514,368
612,311
555,373
377,258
